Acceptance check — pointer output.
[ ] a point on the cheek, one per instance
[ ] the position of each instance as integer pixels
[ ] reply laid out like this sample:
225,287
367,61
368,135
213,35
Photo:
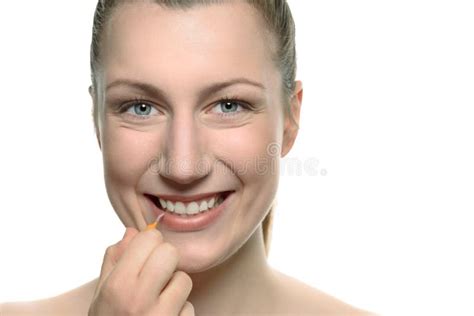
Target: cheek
250,151
127,154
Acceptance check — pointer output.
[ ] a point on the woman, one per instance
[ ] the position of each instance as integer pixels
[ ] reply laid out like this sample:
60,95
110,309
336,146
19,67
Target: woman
194,104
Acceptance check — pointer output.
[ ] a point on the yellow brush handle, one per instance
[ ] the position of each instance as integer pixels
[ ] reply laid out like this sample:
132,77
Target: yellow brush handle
151,226
155,223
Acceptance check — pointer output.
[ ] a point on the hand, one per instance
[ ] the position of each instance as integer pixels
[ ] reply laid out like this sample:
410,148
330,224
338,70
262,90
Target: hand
138,277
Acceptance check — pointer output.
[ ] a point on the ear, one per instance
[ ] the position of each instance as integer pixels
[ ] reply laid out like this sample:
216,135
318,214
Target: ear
94,113
292,119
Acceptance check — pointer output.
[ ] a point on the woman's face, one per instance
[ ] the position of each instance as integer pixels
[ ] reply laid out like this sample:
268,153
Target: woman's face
166,129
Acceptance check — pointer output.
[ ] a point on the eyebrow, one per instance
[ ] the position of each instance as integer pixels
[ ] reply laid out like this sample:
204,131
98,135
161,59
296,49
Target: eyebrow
206,91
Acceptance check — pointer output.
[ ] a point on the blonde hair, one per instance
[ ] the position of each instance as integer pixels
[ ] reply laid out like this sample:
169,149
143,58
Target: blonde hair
279,22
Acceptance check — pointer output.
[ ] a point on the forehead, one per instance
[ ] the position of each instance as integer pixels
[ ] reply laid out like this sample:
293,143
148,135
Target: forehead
149,41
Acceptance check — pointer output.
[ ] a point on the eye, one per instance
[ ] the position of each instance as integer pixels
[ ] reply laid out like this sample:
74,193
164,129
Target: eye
229,107
139,109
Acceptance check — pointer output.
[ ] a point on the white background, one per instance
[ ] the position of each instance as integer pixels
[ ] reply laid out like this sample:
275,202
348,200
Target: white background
388,115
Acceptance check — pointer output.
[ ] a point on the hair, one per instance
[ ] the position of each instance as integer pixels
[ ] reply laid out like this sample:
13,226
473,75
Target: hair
279,21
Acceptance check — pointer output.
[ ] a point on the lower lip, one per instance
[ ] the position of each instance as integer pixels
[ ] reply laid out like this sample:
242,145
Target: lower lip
189,223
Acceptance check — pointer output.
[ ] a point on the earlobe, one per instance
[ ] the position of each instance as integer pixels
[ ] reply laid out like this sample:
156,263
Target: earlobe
292,119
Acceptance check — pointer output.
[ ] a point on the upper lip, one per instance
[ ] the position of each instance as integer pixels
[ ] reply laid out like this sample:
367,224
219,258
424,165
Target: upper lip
189,198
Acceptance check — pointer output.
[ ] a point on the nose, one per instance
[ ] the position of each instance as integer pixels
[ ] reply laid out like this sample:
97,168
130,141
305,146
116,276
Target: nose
184,158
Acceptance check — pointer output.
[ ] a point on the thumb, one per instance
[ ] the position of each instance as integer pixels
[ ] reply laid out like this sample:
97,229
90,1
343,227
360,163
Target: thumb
113,253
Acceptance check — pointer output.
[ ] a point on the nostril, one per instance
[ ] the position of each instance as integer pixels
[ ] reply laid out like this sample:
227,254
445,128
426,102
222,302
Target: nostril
183,169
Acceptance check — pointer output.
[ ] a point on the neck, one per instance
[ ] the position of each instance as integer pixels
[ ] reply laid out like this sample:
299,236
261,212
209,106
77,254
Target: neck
236,285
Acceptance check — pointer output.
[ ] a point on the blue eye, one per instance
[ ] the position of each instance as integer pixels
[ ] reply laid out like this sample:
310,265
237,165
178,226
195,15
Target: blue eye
140,110
229,107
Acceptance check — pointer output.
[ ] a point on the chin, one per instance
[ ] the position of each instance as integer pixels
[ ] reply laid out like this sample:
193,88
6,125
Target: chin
198,258
195,263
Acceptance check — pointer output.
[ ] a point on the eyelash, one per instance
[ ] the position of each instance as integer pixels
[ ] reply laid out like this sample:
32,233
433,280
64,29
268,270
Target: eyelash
246,106
126,106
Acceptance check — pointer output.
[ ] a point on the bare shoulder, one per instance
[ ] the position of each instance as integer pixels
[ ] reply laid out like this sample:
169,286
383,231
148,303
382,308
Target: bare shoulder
74,302
302,299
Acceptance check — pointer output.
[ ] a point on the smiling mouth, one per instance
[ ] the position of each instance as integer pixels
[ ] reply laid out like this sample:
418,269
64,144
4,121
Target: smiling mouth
189,206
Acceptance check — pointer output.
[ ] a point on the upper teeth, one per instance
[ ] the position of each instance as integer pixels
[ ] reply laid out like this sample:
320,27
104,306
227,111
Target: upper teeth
190,208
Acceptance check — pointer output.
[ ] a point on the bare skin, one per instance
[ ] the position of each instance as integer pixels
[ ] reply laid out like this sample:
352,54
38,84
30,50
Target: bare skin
181,52
273,294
